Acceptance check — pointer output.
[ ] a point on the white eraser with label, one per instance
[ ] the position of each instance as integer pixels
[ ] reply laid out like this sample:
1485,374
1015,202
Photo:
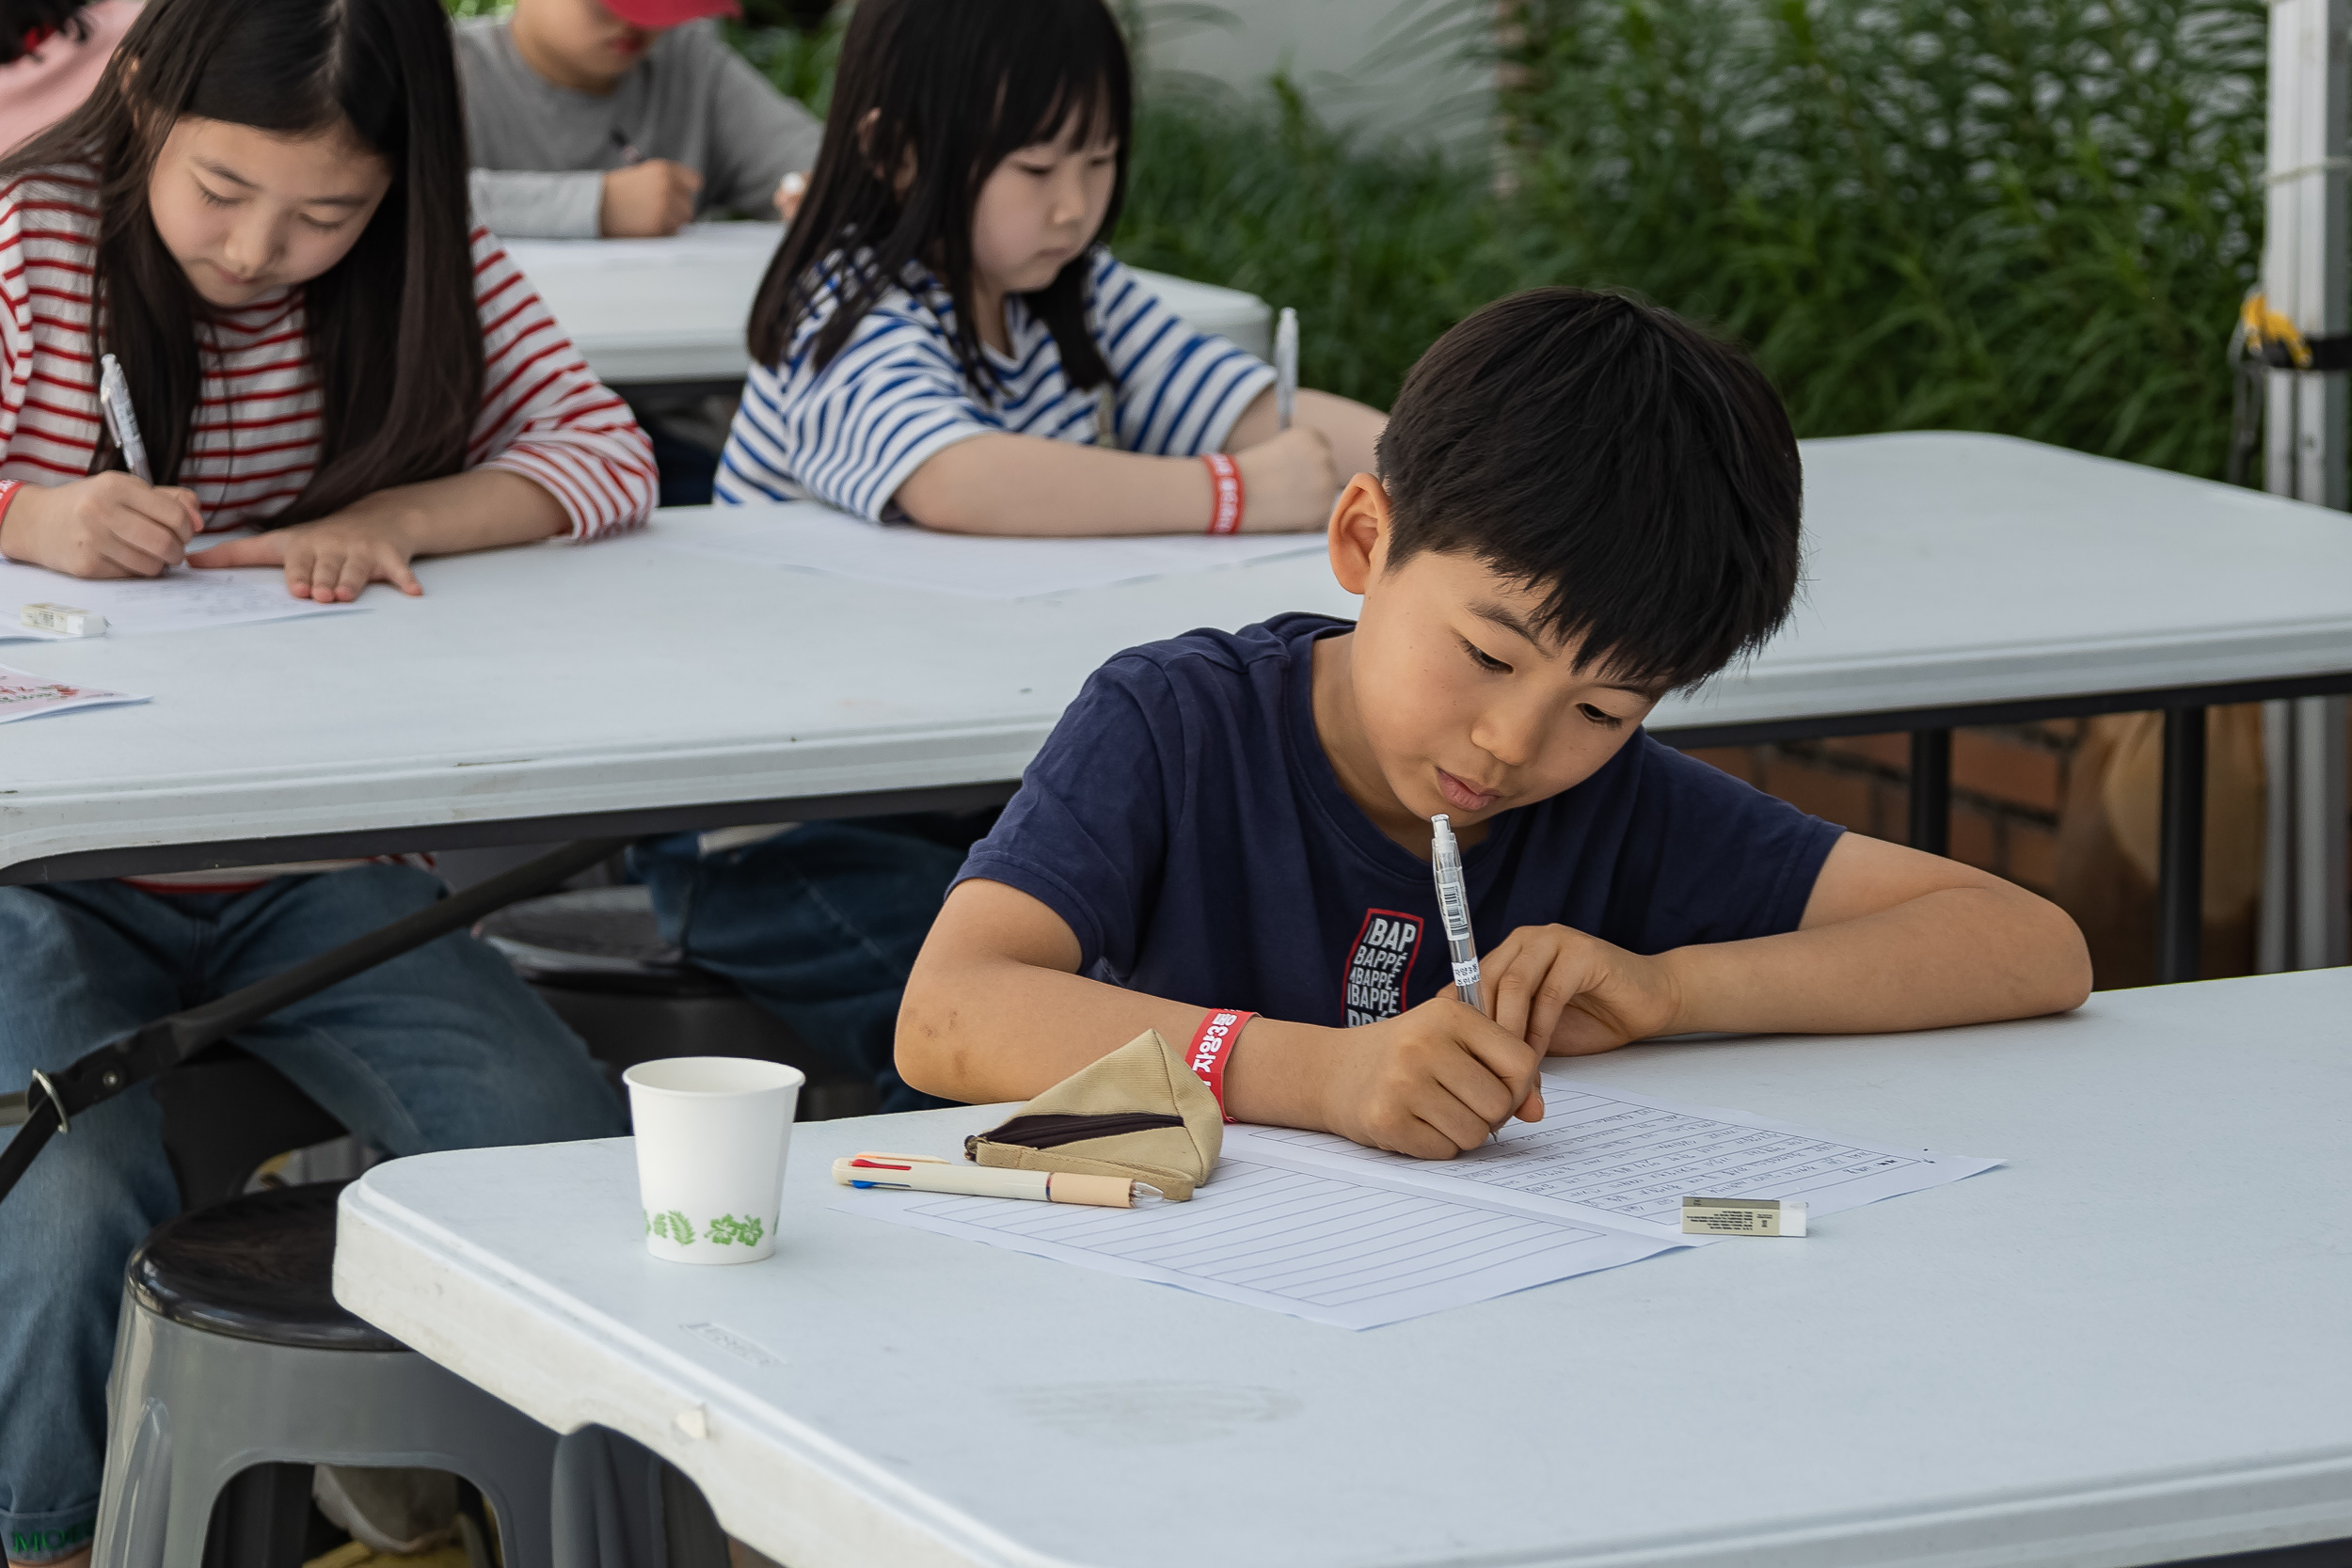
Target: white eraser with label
63,619
1741,1217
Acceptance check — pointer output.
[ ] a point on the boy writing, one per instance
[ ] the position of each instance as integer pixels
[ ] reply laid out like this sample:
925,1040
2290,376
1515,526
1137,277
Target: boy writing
621,117
1583,504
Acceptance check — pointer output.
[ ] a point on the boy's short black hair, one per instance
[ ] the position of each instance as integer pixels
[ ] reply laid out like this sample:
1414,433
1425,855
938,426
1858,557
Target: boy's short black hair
1638,471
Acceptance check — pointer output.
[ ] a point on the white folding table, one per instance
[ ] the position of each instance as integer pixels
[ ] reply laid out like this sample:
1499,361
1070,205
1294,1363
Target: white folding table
674,309
2129,1344
546,693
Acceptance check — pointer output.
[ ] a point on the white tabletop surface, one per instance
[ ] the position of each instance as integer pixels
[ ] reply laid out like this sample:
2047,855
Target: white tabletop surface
623,676
675,310
2130,1344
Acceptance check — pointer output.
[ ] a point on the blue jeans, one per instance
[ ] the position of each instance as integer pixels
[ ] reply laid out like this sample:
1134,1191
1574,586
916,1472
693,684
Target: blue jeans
440,1048
819,925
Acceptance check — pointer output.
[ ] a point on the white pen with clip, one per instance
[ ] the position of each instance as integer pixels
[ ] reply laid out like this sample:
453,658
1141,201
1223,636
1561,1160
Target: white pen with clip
1286,367
925,1173
1445,863
114,398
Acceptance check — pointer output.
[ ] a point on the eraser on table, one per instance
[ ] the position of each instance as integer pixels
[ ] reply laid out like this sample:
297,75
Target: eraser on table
1741,1217
62,618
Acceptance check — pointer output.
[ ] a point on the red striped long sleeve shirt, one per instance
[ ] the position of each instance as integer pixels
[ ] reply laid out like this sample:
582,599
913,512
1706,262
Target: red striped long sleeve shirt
254,440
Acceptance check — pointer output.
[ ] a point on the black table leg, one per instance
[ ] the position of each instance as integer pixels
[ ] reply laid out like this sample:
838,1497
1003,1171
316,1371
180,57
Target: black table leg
1931,791
2181,847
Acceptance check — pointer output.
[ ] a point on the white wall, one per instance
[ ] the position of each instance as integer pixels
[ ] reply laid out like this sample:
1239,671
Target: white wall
1386,66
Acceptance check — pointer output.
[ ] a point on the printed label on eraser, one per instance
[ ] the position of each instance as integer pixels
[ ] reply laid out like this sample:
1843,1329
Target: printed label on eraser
1741,1217
63,619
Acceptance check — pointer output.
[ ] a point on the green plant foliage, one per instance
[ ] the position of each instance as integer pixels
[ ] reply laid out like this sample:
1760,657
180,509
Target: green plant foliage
799,59
2035,217
1378,249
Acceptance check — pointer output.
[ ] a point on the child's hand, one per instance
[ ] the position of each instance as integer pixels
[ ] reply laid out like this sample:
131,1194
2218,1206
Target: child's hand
1287,482
110,525
790,191
1569,994
329,561
1430,1082
645,199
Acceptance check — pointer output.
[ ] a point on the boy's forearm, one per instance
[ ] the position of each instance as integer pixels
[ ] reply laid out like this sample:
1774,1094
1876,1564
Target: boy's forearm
1963,954
1002,1030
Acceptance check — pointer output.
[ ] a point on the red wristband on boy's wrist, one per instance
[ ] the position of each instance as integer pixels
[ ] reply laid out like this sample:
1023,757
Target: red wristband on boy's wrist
1225,494
1213,1047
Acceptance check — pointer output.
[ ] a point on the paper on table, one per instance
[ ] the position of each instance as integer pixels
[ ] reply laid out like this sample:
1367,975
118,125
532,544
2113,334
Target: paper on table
24,695
813,538
1351,1254
695,243
180,600
1322,1228
1607,1156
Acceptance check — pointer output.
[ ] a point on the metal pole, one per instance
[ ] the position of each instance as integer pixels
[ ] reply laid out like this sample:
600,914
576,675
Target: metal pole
1931,791
2180,848
2307,249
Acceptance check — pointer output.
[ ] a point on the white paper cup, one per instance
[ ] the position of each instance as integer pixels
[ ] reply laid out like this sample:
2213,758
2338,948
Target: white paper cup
711,1137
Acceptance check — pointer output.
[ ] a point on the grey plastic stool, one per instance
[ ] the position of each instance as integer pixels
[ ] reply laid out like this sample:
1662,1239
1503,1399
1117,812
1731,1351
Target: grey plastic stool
233,1353
596,955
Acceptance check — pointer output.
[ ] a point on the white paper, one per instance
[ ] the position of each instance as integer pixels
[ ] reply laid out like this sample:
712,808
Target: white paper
1321,1228
25,695
1320,1247
694,243
811,538
1607,1156
182,599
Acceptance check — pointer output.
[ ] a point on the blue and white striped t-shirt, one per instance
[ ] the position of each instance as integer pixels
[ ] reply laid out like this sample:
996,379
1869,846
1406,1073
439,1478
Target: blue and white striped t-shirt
851,434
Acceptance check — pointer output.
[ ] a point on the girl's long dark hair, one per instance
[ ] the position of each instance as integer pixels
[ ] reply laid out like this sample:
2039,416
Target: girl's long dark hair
950,86
393,336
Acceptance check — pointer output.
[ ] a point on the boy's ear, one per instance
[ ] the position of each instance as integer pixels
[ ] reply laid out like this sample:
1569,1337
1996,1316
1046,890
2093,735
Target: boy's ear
1359,534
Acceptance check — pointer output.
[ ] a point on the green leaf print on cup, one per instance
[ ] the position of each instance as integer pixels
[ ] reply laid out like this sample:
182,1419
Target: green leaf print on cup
671,1227
727,1230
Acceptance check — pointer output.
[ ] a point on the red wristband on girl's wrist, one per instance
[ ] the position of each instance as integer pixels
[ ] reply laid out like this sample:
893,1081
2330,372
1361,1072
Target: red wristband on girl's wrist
1225,496
1213,1046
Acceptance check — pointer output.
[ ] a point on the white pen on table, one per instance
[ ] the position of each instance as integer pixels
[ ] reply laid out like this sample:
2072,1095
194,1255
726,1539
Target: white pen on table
114,398
1286,367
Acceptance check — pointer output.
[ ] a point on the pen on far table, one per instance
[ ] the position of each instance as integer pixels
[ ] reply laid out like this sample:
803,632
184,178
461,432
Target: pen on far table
1286,367
113,400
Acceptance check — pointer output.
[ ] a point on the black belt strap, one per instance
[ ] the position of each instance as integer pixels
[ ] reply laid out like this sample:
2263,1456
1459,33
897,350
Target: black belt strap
2332,352
55,1099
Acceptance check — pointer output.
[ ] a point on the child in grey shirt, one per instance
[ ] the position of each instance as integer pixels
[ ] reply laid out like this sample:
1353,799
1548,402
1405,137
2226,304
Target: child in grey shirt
621,117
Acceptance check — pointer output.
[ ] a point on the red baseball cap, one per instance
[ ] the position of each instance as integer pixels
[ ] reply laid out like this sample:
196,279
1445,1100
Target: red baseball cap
669,13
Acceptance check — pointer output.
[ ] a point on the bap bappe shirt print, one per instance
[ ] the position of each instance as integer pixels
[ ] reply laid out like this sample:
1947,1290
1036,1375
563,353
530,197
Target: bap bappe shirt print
1378,964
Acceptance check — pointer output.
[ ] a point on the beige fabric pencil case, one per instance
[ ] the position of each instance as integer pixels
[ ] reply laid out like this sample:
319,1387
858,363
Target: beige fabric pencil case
1137,1113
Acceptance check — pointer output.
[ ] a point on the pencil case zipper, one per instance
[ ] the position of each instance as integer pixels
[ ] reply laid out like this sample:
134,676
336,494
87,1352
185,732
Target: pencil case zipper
1052,1132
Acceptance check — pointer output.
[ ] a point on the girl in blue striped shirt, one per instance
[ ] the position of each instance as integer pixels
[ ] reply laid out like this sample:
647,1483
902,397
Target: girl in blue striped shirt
942,336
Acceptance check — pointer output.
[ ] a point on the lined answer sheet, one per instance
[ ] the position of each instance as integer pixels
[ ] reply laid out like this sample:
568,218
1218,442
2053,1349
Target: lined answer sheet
1314,1247
1611,1157
1318,1227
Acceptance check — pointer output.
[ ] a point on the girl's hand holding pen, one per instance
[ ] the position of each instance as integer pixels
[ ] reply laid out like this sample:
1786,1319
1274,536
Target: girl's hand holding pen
110,525
1287,482
1570,994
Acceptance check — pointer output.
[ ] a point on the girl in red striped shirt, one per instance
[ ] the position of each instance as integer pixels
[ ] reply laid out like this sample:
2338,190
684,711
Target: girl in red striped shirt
260,211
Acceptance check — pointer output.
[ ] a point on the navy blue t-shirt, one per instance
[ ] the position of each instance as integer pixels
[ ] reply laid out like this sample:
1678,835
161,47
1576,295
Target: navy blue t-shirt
1184,820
